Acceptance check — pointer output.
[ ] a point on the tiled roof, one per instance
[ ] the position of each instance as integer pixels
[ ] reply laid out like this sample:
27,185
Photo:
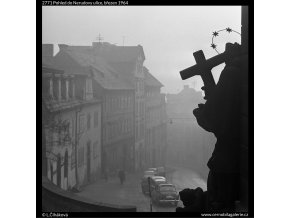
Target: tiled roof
48,62
70,64
111,52
150,80
74,61
125,70
119,59
123,53
49,67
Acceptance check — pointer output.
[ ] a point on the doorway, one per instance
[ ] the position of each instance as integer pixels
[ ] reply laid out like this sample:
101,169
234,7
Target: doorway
59,170
66,168
89,161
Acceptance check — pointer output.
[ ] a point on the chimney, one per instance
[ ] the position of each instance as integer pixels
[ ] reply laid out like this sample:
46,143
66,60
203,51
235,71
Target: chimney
47,50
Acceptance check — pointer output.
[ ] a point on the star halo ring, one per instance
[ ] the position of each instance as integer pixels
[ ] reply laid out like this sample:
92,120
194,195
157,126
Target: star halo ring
216,33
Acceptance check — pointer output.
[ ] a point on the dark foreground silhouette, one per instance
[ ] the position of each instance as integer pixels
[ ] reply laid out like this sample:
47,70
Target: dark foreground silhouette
194,200
221,116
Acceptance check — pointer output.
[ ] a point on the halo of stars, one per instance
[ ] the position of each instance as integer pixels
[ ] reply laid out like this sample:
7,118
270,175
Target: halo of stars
216,33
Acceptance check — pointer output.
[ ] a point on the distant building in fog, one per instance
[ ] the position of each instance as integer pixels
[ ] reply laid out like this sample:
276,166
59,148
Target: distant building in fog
155,122
188,144
71,126
181,105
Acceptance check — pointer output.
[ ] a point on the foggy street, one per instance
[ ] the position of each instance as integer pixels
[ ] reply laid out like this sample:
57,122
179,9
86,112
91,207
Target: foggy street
130,193
117,103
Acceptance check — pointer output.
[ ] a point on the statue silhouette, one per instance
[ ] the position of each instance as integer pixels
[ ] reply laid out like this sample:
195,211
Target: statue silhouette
221,116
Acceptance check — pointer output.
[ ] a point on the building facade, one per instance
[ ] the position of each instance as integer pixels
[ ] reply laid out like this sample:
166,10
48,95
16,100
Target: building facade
71,129
117,95
127,62
188,144
121,82
155,123
118,129
71,124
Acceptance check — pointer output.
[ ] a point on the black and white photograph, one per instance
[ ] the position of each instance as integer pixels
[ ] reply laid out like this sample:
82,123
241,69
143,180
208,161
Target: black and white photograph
145,109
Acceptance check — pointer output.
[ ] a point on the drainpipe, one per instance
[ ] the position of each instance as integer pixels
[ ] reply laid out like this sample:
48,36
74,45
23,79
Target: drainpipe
76,148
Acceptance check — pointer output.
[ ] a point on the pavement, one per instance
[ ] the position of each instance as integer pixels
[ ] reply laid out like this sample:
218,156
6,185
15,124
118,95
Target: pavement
113,192
130,192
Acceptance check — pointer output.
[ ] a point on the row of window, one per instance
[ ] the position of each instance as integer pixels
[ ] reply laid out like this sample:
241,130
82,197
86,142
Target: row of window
87,124
151,94
140,130
96,148
119,103
140,108
155,115
118,128
60,88
65,89
140,87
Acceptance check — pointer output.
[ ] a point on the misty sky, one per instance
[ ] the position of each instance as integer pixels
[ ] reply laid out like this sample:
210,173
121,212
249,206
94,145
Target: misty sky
168,34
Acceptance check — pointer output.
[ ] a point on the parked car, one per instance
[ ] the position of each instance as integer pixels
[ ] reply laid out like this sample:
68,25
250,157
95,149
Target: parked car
148,173
158,177
144,181
155,181
154,170
165,193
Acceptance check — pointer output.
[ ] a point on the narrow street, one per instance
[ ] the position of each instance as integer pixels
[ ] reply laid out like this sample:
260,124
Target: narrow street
112,192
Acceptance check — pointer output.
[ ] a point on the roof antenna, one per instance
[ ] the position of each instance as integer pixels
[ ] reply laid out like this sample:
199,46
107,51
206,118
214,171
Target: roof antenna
100,38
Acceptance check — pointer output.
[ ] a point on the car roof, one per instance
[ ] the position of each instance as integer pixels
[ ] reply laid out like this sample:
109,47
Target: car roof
158,177
160,180
148,171
152,169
